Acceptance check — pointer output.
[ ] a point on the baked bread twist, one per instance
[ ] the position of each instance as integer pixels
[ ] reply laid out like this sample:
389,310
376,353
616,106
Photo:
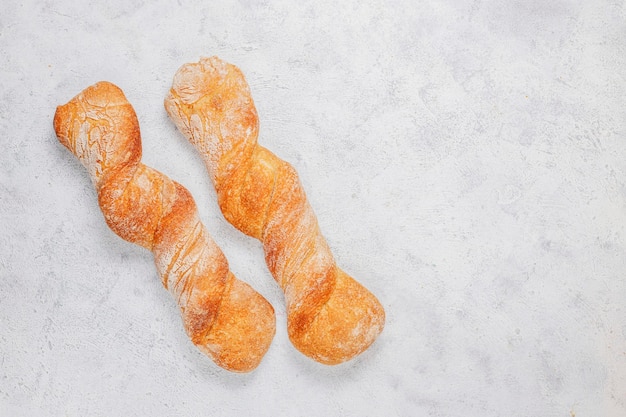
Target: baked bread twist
331,317
223,316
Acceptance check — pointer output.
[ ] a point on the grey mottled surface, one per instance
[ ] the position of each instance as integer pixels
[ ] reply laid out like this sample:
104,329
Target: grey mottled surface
466,160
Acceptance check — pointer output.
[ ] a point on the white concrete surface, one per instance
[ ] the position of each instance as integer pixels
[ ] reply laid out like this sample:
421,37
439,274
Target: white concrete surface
466,160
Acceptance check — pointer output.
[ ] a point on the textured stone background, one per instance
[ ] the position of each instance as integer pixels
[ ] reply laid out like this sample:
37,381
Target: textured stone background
466,160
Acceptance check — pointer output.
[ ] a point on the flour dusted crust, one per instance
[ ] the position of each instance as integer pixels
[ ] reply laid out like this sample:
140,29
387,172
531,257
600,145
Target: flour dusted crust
331,317
223,316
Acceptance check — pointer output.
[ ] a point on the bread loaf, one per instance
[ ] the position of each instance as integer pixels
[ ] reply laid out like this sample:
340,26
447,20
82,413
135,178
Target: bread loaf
331,317
223,316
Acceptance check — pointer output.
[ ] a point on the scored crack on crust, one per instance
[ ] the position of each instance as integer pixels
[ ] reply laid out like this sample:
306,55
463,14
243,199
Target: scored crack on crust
331,317
223,316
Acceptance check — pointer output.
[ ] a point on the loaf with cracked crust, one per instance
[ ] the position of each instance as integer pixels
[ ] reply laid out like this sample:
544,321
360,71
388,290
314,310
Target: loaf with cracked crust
331,317
223,316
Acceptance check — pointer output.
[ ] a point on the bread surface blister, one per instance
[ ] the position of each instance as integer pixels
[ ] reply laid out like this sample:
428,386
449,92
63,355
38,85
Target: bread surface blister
330,316
224,317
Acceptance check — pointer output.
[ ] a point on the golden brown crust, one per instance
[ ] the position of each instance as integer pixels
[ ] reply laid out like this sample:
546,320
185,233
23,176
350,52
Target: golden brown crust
331,317
223,316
